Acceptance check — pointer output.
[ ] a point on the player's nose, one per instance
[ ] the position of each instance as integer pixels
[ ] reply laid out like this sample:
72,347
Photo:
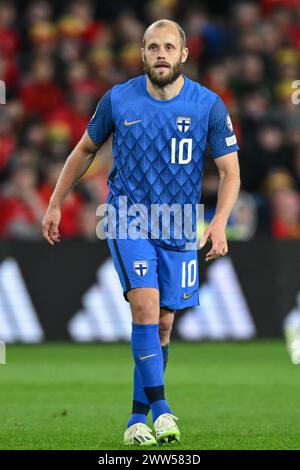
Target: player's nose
161,54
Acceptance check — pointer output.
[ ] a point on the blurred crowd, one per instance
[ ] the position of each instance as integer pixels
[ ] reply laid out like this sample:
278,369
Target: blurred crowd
58,58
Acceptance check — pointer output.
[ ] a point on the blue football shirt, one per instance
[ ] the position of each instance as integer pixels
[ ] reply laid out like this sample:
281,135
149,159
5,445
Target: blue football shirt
159,145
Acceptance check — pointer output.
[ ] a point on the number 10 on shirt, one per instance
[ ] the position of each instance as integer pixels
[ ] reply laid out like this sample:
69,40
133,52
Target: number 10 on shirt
184,151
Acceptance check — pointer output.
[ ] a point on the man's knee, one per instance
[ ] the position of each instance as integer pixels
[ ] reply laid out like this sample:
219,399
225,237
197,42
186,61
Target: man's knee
144,311
144,305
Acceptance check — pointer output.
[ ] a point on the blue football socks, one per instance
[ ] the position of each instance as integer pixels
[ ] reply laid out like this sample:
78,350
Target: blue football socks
140,405
150,360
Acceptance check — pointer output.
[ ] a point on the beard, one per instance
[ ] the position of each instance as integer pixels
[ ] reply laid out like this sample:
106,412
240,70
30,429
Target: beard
162,80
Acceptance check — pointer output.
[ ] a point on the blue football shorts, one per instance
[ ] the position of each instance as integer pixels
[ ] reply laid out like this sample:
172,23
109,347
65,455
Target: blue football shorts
141,263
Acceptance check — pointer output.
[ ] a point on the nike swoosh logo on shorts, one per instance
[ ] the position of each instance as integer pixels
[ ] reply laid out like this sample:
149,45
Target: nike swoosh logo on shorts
187,296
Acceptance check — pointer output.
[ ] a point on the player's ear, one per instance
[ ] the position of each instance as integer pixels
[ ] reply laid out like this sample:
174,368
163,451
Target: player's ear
143,54
184,55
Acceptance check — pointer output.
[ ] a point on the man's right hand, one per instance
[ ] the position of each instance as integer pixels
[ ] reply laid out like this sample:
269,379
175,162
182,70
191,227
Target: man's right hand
50,224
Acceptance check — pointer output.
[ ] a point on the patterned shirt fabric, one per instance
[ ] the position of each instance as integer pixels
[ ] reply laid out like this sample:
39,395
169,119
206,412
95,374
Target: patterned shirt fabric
159,148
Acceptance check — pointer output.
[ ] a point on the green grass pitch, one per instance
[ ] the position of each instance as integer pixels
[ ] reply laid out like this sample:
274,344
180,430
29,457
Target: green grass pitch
227,396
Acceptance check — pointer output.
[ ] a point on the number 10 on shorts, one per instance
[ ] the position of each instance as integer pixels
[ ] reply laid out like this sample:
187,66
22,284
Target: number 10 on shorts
189,273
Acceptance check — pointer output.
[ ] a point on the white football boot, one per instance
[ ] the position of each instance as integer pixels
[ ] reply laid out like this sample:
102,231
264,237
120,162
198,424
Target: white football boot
139,434
166,429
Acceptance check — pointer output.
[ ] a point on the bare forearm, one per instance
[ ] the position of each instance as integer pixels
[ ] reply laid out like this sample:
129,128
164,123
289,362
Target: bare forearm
229,186
75,166
227,196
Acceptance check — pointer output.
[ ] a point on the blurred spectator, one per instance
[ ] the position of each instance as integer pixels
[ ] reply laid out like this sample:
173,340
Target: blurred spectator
87,221
268,151
41,95
34,135
7,138
157,9
277,180
9,37
252,72
243,220
246,15
74,116
130,30
38,11
21,208
284,204
217,79
104,70
286,214
69,226
43,38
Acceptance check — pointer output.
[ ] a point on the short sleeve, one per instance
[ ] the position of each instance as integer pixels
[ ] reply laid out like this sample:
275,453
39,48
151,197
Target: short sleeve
101,124
221,137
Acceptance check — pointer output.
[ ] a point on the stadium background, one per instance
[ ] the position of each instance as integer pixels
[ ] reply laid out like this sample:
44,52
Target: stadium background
57,59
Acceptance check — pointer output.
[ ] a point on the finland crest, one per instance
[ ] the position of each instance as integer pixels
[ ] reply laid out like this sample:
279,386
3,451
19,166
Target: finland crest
183,123
140,267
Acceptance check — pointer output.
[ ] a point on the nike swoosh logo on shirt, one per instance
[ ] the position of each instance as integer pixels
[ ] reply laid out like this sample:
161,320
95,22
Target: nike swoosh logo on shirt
145,357
127,123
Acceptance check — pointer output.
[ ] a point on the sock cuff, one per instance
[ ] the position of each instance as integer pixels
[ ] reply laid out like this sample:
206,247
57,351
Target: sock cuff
140,408
155,393
139,328
145,339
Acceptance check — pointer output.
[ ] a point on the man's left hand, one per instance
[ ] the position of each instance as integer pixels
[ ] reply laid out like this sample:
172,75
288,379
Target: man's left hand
216,233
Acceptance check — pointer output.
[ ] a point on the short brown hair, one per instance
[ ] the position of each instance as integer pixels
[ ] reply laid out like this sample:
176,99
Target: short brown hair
162,24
